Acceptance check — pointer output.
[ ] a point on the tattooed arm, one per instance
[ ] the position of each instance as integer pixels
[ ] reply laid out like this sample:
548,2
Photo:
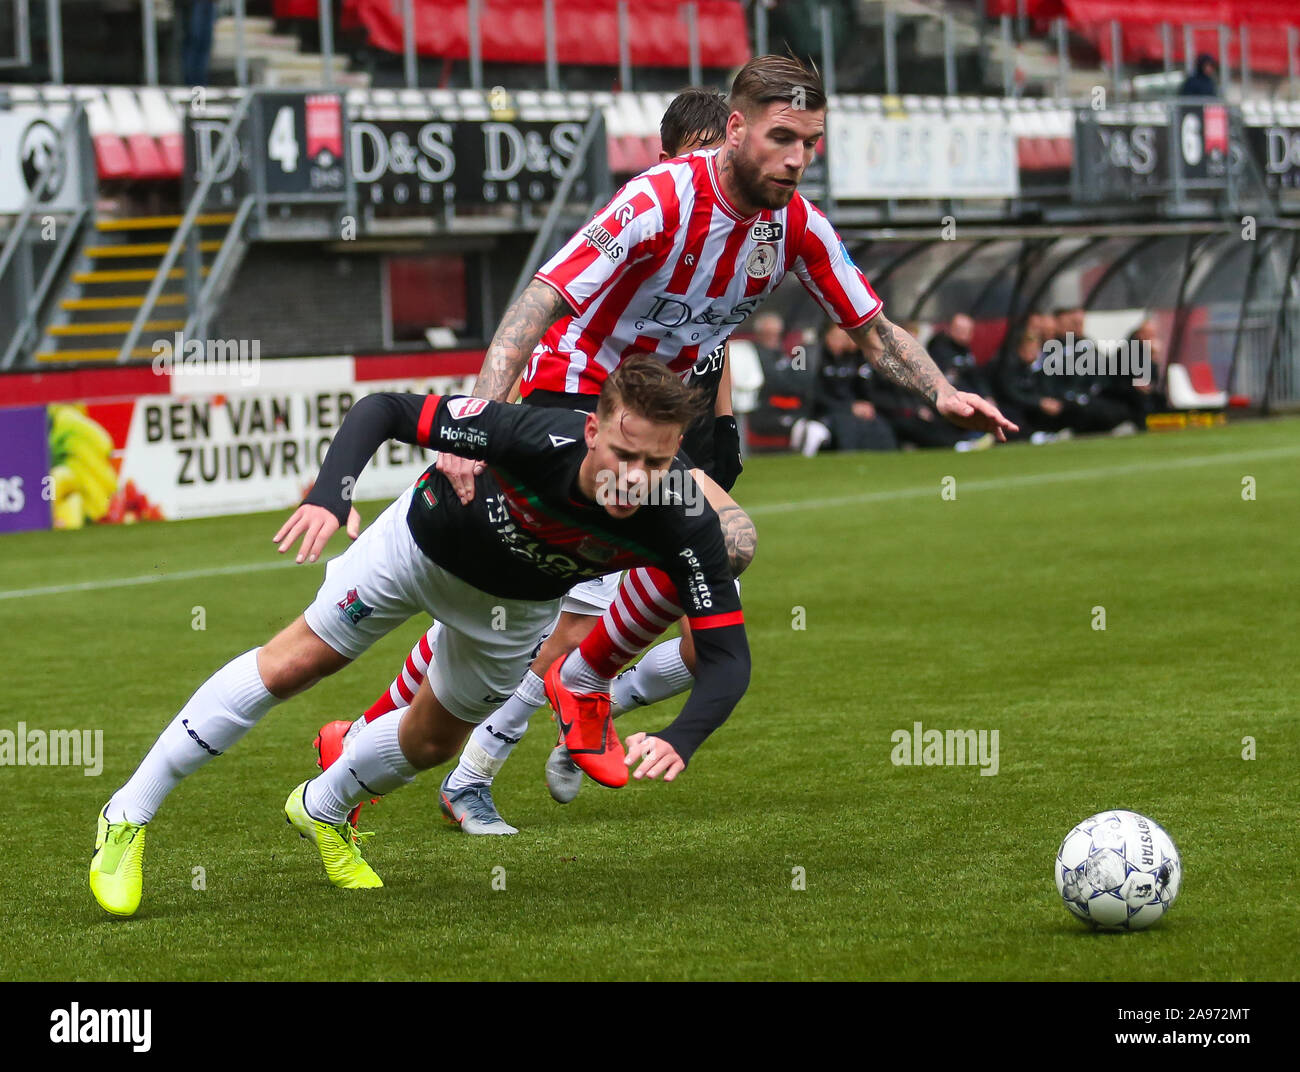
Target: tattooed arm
740,537
520,330
902,360
738,531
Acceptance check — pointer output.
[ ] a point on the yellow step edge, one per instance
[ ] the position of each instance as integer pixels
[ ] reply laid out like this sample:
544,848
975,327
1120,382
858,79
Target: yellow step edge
157,223
129,275
88,355
111,327
145,249
132,302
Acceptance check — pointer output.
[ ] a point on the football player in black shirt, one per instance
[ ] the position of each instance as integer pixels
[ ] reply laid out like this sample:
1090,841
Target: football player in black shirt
696,119
565,496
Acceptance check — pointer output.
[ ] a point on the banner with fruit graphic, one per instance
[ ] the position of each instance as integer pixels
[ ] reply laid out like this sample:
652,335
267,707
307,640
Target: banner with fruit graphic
170,457
24,463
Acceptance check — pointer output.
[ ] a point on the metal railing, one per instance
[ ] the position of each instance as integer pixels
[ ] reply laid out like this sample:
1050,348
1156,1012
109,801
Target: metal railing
17,256
1008,32
186,232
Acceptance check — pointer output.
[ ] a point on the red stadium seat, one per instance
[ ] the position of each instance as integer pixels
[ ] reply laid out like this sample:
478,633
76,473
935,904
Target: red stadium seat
1029,154
514,31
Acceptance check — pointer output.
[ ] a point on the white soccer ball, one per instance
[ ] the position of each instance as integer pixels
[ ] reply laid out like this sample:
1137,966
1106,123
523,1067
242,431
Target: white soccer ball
1118,871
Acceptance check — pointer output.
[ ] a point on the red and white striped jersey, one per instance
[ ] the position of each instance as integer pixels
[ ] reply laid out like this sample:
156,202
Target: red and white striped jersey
669,268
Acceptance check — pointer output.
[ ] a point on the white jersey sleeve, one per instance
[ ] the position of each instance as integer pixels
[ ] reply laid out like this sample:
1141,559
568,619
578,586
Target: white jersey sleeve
828,273
624,232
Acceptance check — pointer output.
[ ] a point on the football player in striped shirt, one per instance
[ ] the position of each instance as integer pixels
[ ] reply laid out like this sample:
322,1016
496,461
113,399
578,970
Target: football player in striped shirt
696,119
681,255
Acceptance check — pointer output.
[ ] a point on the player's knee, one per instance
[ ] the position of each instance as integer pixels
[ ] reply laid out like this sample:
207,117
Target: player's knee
295,659
687,650
567,635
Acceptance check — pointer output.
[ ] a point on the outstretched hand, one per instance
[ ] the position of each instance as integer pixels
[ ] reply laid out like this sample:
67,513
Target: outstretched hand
315,525
656,756
967,410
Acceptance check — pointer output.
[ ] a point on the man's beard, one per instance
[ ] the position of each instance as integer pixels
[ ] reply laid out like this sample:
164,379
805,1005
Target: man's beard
750,186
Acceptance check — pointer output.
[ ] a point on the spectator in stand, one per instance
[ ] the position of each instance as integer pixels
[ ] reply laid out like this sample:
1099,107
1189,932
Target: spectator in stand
951,351
1074,343
787,380
1135,398
198,17
1026,391
1201,82
1041,324
843,412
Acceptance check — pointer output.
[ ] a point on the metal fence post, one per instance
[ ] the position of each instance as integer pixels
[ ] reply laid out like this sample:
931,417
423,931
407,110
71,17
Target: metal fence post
891,45
693,38
1116,56
760,28
1167,47
949,57
325,17
475,14
828,50
1292,60
410,63
624,49
241,58
54,22
1189,49
150,31
1244,38
1225,71
1008,60
1063,56
552,49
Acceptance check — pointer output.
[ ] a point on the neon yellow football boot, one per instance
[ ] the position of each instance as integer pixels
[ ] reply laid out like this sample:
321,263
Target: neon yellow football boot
117,868
338,846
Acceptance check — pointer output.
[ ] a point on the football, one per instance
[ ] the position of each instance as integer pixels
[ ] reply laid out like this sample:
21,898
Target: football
1118,871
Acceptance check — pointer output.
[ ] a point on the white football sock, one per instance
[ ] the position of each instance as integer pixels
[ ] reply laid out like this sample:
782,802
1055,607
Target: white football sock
577,674
495,737
221,711
659,675
372,765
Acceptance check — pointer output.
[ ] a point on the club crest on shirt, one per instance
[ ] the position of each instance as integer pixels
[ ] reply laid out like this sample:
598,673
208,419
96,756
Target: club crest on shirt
353,608
594,551
460,408
761,261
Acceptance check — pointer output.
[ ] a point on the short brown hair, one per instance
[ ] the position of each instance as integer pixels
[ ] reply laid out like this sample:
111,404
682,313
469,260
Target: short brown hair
776,78
644,386
696,116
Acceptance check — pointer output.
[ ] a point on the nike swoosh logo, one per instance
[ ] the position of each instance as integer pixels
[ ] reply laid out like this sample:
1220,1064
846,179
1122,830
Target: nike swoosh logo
564,726
561,441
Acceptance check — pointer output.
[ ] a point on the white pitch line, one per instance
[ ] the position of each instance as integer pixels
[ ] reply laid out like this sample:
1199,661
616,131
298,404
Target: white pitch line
997,483
148,578
1028,480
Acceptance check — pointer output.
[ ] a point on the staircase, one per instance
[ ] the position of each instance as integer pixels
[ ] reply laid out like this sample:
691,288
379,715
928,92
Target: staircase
109,283
277,59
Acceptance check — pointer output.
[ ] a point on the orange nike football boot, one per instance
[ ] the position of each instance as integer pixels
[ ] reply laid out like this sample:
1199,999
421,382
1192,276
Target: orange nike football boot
329,746
587,730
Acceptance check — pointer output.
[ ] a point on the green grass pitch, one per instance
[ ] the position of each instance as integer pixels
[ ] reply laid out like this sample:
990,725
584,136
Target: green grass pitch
975,612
